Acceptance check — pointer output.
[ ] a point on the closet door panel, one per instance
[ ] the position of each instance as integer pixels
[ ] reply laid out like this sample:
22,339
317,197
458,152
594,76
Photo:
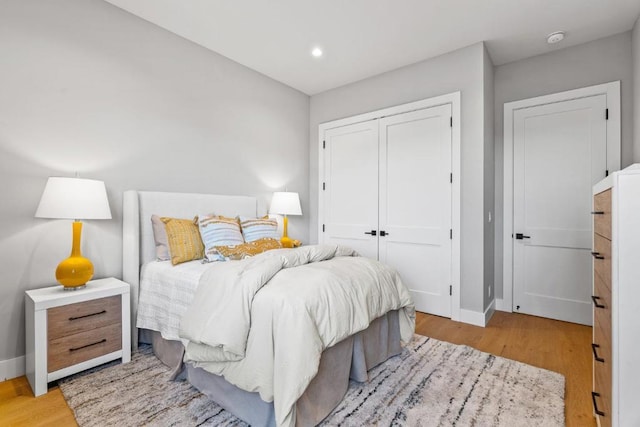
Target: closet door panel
351,190
415,203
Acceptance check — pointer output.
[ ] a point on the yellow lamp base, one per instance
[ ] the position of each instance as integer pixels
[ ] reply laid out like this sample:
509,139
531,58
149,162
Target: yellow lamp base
75,271
286,242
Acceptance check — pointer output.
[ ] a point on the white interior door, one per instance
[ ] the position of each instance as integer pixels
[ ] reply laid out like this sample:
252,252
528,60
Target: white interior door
560,151
415,204
351,187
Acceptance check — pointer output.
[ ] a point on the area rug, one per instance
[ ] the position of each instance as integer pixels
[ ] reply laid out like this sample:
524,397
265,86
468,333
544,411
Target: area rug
431,383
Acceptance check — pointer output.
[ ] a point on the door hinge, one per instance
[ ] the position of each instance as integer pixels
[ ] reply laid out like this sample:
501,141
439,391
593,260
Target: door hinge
323,228
324,144
450,289
451,233
324,187
451,121
606,173
606,114
451,178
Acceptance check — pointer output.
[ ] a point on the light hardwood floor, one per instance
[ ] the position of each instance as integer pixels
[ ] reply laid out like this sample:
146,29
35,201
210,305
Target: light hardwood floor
557,346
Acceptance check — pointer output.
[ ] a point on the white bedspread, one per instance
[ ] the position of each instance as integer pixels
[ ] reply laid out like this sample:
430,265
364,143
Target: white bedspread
264,322
166,292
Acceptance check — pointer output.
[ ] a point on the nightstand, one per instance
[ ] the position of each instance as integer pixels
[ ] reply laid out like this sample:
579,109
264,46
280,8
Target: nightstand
70,331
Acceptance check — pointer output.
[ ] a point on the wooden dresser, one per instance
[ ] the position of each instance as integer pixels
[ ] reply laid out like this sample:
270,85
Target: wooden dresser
616,299
70,331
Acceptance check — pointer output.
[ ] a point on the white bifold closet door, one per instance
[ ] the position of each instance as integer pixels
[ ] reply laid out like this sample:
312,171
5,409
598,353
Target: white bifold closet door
388,195
351,187
415,203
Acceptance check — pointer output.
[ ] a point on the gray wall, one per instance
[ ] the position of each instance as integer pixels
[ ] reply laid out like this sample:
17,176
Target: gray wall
636,90
87,87
461,70
600,61
489,181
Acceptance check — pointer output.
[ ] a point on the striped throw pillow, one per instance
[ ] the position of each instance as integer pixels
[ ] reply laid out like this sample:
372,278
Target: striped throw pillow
259,228
184,239
217,230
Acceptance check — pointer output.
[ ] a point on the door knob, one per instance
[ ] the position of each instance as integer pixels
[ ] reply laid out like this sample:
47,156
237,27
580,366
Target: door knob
372,232
520,236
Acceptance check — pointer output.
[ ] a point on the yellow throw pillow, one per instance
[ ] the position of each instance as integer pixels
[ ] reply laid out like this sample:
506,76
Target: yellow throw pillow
185,243
247,249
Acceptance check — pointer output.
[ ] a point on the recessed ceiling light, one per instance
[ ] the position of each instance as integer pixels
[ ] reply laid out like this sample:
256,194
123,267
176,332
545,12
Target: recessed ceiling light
316,52
556,37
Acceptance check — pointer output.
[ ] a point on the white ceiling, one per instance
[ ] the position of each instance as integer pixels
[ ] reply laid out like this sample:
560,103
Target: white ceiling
362,38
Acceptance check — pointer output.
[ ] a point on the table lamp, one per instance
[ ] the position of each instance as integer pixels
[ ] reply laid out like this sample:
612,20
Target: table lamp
285,203
74,198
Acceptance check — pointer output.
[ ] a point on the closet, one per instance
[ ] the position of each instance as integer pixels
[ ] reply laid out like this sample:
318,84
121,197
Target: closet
386,191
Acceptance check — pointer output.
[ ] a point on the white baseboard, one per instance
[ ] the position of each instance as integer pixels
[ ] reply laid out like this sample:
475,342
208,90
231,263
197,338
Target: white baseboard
502,305
12,368
472,317
477,318
488,313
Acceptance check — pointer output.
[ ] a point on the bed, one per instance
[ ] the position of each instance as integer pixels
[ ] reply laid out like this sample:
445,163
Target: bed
159,309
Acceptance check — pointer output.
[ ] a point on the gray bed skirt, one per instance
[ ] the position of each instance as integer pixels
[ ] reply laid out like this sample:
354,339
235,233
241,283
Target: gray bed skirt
351,358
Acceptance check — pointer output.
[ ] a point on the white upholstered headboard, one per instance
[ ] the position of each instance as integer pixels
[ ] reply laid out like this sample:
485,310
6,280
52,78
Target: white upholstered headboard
138,245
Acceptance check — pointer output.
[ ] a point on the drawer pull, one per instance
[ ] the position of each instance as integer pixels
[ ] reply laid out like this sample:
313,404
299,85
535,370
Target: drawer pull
88,315
597,255
103,340
594,347
595,405
595,302
597,213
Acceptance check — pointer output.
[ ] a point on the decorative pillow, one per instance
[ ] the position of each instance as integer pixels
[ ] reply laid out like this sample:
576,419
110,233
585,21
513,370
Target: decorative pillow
184,239
217,230
244,250
259,228
160,237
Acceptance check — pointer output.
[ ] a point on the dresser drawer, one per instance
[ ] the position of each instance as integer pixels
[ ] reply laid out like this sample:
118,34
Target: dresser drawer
602,386
83,316
73,349
602,294
602,258
602,336
602,221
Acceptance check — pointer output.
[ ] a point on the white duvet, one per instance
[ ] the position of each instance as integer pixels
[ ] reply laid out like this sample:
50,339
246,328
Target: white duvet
263,323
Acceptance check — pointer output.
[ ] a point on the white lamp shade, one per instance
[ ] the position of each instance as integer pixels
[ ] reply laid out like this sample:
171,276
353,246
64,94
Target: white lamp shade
285,203
74,198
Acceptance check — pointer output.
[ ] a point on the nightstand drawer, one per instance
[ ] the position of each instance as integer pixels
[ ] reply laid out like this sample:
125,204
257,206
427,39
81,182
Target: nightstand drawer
83,316
73,349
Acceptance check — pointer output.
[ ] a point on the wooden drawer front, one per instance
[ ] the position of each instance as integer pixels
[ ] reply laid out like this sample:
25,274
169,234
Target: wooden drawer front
602,386
602,336
602,222
73,349
83,316
603,293
602,258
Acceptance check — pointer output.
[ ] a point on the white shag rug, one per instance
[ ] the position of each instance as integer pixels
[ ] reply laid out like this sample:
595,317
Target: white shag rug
431,383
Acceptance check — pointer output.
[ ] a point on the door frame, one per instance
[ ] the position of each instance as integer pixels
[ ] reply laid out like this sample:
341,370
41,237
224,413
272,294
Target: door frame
450,98
612,92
